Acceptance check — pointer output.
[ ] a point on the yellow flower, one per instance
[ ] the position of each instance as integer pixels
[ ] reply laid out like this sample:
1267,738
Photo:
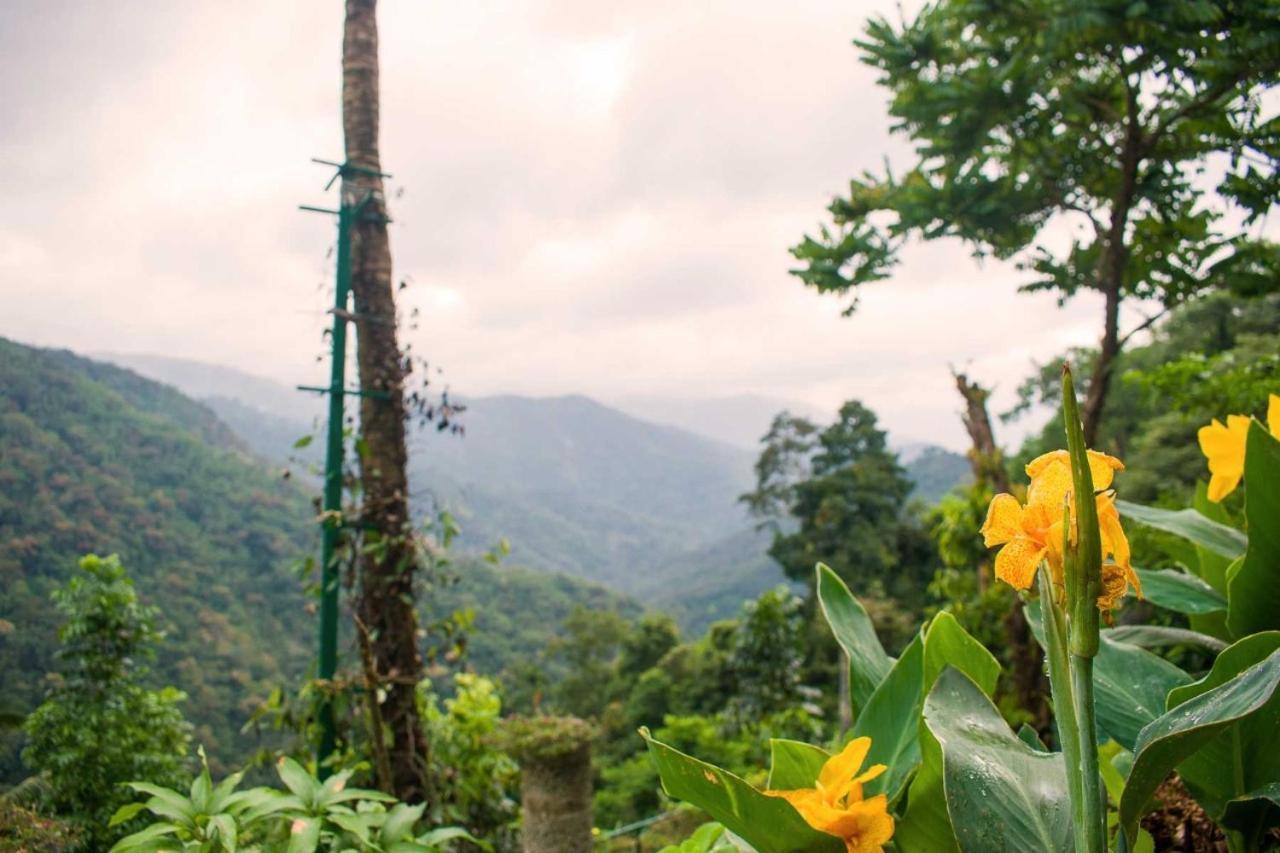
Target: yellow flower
1224,447
835,804
1033,533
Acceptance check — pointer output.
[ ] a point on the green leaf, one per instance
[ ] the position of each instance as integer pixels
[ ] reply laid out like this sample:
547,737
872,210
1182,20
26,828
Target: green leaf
304,835
166,802
1210,567
769,824
202,791
1180,592
1031,738
1172,739
1001,794
1158,636
853,630
794,764
1130,684
225,825
1190,525
436,837
400,821
296,779
947,643
303,442
1255,811
926,824
1229,663
891,719
144,839
126,813
1253,589
223,791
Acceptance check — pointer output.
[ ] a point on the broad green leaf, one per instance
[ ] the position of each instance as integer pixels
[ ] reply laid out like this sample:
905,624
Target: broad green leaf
202,792
853,630
794,764
400,821
1253,588
304,835
297,780
769,824
126,813
1232,661
1130,684
145,838
225,825
1190,525
439,836
1001,795
1252,812
346,795
1180,592
166,802
1031,738
1112,778
947,643
261,802
1210,567
358,825
1158,636
891,720
223,790
926,824
1172,739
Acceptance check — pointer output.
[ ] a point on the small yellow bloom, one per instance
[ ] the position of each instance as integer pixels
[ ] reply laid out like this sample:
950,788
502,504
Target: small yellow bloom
835,804
1033,533
1224,447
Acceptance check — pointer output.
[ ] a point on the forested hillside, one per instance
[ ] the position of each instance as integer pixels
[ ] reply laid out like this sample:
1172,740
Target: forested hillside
98,459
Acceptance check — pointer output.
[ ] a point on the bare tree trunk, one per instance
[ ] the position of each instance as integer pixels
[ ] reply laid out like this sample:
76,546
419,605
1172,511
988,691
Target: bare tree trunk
387,564
985,457
1025,659
1100,381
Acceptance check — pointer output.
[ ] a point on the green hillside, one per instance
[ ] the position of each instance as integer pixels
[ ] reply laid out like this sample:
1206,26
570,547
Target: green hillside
94,458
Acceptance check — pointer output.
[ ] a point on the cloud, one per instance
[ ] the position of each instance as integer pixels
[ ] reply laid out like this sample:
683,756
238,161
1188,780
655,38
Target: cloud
590,198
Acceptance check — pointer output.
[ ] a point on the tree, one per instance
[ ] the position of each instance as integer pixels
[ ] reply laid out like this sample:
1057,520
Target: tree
99,725
1133,125
767,655
388,560
841,500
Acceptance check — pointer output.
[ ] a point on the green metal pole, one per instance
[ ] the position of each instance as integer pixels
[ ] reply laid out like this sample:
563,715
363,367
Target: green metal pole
333,489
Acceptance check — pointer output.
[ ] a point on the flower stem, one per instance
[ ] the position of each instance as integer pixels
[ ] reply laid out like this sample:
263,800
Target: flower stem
1092,834
1064,706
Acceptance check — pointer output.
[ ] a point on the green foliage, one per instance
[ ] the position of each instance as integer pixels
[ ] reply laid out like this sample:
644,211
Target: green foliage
478,781
839,496
1106,116
1001,794
99,723
308,815
767,653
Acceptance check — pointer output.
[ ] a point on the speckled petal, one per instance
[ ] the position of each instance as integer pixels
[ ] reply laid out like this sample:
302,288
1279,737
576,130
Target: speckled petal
1017,561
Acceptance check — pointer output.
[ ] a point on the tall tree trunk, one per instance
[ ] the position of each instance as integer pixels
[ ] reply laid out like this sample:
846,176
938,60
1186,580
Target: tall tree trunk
387,564
1100,381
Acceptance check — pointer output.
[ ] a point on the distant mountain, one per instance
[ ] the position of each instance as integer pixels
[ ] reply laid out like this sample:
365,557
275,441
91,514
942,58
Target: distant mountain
95,458
935,471
740,420
576,486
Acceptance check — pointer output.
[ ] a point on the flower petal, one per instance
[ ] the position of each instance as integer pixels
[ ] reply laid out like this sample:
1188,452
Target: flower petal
1051,484
1016,562
1273,414
1224,447
1004,520
837,774
1114,543
1044,460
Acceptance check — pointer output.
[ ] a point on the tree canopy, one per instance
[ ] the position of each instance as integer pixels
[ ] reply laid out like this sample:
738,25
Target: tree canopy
1115,146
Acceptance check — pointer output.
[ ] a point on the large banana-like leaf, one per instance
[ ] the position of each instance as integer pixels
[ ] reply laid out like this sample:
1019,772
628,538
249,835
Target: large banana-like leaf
1001,794
1253,586
1237,719
849,622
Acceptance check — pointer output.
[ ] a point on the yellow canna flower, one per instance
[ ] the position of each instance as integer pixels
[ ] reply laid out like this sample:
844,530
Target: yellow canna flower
1224,447
1033,533
835,804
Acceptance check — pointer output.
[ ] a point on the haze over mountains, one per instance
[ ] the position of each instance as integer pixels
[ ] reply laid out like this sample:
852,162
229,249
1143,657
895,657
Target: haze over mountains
573,485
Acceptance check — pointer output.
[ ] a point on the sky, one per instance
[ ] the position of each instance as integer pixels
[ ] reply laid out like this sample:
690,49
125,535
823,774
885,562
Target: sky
588,197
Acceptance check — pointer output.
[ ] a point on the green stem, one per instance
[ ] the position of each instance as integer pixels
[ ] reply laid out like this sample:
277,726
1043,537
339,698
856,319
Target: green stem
1092,834
1064,706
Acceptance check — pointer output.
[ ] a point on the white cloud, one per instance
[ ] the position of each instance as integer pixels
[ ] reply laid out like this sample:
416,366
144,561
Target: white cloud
598,198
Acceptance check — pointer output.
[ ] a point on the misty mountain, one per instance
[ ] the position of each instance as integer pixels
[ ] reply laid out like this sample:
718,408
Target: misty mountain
740,420
573,485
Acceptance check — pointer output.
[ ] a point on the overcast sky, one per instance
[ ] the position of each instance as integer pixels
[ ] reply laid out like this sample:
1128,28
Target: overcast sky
597,197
